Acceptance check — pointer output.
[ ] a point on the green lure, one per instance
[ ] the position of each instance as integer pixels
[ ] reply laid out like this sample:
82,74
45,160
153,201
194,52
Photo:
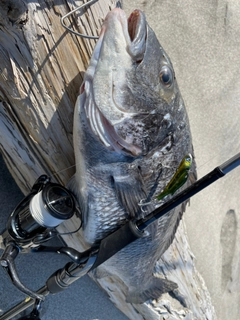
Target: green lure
179,178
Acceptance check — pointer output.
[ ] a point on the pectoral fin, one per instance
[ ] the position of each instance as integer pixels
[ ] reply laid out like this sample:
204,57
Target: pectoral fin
130,190
155,288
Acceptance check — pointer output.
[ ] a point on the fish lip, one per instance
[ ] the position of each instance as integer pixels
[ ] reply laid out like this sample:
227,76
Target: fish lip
137,31
134,30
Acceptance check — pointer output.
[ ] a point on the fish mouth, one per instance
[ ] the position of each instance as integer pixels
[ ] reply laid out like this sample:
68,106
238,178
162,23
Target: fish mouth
122,42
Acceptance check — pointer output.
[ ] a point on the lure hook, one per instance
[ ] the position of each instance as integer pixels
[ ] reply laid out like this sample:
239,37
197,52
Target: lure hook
70,13
144,203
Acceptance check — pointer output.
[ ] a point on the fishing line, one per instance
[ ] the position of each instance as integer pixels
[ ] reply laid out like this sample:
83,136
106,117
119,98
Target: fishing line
74,165
62,170
70,13
54,233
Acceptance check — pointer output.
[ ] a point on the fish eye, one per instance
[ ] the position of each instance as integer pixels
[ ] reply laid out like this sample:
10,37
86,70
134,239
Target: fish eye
188,162
166,76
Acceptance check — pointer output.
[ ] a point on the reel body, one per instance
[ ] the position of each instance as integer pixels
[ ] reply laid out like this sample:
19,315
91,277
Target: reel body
44,208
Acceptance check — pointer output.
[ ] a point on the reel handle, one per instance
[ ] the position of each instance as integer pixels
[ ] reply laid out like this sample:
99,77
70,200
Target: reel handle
7,262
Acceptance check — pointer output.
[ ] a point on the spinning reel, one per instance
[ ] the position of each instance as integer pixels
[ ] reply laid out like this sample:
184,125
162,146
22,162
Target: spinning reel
34,222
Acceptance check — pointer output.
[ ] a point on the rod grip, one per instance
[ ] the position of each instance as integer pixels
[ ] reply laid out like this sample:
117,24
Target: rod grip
117,241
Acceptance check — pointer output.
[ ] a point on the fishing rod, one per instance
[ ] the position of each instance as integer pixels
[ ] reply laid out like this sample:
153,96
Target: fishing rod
34,220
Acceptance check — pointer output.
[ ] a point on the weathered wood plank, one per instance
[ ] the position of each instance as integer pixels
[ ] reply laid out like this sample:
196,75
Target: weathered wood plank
40,74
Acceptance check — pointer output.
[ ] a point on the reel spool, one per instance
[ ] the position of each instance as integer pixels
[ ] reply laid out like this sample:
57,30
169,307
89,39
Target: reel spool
48,205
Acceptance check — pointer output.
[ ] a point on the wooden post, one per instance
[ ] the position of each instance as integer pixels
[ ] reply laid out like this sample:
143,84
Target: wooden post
41,70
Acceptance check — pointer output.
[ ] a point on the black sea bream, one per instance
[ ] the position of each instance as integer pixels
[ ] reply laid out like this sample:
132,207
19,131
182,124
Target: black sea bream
131,131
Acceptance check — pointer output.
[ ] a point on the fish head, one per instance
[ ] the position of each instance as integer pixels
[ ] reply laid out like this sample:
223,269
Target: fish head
132,99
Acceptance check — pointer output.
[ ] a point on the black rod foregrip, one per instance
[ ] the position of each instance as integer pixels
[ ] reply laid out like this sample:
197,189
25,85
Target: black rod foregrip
117,241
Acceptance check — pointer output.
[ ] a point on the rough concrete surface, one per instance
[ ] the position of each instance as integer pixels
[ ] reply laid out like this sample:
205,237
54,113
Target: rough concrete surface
202,39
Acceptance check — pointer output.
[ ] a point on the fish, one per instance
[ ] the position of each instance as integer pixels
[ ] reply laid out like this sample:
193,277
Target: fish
131,130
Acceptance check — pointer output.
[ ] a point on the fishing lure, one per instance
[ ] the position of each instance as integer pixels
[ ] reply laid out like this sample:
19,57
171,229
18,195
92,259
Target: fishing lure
179,178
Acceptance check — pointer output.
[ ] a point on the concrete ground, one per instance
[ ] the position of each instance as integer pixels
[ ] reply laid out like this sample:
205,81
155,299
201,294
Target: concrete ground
202,39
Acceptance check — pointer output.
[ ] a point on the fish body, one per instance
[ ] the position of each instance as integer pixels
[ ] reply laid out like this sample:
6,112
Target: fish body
129,122
179,178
